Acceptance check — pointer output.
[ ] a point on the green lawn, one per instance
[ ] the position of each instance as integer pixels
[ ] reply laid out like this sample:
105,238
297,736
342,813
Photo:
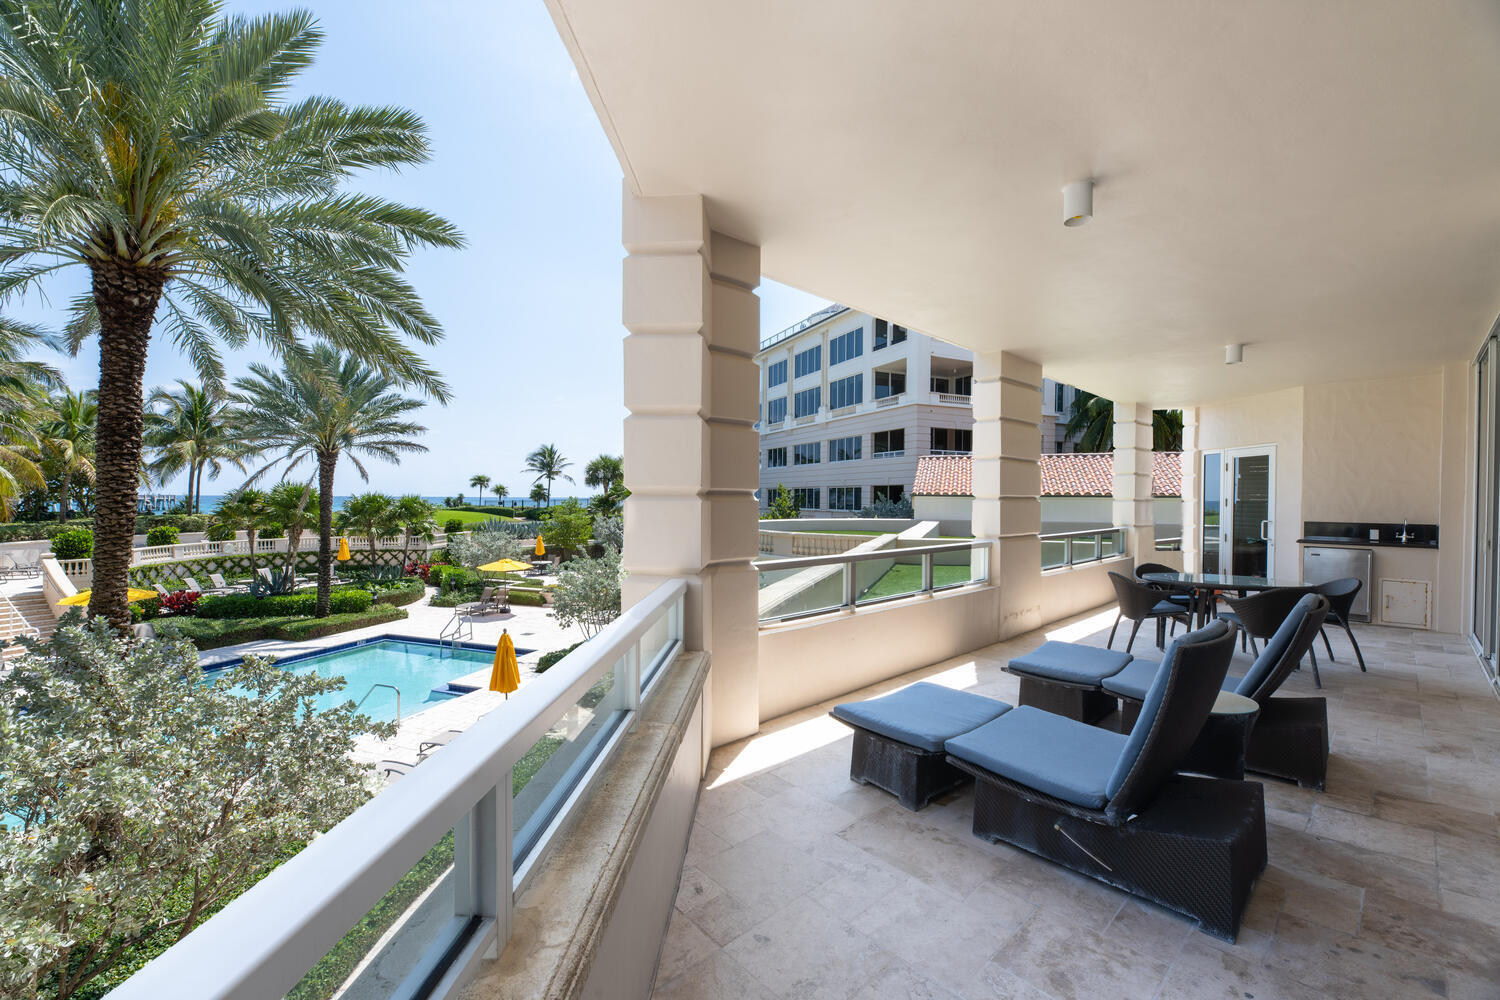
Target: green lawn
839,531
466,516
906,578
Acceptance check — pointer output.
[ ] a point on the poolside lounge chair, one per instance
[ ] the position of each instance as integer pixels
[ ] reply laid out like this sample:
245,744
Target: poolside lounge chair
899,738
1064,678
193,584
1111,806
8,567
160,590
220,585
394,770
435,742
1290,736
30,562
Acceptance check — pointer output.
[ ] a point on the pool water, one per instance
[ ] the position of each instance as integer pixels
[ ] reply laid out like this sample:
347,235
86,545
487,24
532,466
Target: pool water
419,670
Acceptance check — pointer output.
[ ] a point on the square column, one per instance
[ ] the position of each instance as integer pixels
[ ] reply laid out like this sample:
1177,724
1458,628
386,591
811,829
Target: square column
1132,480
1192,493
1007,479
691,448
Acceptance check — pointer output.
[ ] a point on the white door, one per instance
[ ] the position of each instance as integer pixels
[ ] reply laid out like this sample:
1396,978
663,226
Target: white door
1247,527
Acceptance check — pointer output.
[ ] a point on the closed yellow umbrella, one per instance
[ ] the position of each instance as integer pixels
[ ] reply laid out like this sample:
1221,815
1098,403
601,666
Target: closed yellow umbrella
505,675
343,555
541,549
132,595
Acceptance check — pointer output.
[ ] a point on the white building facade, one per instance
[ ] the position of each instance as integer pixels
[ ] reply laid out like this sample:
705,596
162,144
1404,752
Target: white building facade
849,402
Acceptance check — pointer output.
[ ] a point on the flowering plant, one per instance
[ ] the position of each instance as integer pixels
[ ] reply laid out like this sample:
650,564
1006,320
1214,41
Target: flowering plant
180,602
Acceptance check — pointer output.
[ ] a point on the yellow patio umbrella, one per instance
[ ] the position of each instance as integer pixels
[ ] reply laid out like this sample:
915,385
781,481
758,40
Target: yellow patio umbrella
343,555
541,549
506,674
505,566
132,595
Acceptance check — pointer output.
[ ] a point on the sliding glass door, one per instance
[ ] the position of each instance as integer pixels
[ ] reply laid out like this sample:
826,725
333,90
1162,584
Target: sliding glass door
1486,628
1247,540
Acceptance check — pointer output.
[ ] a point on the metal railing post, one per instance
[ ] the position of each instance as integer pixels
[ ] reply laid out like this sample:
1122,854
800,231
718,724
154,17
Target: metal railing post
849,589
926,572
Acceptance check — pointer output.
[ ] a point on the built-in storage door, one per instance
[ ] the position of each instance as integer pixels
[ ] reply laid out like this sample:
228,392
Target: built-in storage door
1486,628
1248,536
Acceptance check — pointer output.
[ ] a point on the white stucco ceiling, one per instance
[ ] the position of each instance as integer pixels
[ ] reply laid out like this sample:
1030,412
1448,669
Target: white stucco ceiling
1320,181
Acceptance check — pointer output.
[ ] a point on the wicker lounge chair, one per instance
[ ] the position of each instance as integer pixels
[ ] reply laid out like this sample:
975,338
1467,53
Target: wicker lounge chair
1111,806
899,739
1064,678
1279,737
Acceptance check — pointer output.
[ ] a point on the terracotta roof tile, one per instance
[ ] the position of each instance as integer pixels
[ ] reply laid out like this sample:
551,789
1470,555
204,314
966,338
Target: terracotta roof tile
1077,474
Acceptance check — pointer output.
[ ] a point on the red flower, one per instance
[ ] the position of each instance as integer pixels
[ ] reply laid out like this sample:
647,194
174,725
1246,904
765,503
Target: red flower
180,602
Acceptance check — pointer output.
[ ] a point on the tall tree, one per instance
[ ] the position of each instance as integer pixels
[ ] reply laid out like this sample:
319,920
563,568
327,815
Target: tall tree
1091,424
247,509
294,506
319,408
154,144
604,472
480,483
185,432
372,515
67,434
500,491
414,515
548,464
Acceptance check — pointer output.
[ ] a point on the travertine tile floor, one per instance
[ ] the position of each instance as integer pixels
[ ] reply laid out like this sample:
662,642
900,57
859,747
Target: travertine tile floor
801,884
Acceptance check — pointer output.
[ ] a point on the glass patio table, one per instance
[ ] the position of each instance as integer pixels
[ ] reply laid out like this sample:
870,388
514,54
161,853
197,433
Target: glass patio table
1206,587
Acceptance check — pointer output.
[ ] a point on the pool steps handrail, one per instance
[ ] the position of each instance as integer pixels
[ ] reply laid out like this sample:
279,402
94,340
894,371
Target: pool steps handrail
372,691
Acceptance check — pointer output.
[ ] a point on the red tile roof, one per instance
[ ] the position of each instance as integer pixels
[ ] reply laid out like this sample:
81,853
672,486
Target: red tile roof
1077,474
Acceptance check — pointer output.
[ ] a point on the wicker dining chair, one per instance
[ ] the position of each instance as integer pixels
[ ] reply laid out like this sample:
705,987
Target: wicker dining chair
1341,595
1260,615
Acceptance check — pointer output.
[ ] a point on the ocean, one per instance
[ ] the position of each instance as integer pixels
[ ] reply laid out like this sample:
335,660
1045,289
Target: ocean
211,501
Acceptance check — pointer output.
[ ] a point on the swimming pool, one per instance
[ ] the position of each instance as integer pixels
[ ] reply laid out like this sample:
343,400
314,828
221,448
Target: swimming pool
420,669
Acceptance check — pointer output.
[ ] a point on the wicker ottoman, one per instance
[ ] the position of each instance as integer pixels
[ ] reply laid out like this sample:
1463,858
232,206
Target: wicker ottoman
1290,740
898,738
1064,677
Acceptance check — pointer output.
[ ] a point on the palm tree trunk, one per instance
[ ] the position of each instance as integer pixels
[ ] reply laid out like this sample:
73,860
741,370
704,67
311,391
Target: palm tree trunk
192,478
62,500
326,462
126,296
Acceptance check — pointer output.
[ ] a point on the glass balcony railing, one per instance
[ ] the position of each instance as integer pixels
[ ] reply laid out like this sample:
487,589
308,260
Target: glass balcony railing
815,585
1075,548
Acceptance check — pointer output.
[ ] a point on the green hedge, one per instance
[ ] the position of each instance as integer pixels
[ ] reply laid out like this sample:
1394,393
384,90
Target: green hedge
162,534
548,660
406,592
211,633
347,600
77,543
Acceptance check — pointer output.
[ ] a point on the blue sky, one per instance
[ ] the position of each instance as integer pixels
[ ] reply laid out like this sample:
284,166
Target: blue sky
520,164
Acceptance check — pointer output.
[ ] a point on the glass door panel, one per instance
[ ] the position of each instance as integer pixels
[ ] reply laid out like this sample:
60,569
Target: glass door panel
1212,490
1487,510
1248,534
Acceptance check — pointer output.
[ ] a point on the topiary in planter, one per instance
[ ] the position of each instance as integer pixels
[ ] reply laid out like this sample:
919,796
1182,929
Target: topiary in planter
162,534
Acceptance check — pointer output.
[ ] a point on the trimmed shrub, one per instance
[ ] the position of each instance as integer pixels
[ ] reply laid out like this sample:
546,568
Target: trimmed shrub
271,531
452,526
548,659
211,633
162,534
347,600
408,592
77,543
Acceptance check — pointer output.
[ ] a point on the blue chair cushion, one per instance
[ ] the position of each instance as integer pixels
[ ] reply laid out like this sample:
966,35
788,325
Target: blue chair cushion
1276,646
1151,704
1071,662
1168,607
1134,681
1062,758
923,715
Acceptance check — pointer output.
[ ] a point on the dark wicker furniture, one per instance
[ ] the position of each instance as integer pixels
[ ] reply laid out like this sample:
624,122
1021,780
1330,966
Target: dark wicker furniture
1063,678
1260,615
1109,806
1141,602
1341,595
899,739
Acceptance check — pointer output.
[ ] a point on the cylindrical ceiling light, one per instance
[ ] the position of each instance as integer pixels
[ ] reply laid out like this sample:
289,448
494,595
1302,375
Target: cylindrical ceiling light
1234,353
1078,202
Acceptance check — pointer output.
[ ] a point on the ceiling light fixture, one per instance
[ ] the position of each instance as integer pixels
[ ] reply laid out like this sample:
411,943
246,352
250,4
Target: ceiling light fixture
1078,202
1234,353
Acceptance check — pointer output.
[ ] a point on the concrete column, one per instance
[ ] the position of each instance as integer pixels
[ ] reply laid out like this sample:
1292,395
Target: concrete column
1008,482
1192,492
1132,480
691,449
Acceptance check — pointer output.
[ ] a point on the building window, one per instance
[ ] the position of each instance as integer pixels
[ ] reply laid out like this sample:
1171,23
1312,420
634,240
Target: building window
807,401
1058,406
898,334
893,493
844,498
807,454
881,335
809,361
952,439
776,374
775,458
888,442
806,499
846,392
939,384
776,410
964,385
846,449
850,345
889,384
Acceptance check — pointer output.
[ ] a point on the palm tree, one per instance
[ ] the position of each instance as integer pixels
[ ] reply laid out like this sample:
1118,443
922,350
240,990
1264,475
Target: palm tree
184,430
538,493
480,483
604,472
155,144
249,510
415,517
295,508
500,492
67,435
548,464
372,515
1091,422
318,408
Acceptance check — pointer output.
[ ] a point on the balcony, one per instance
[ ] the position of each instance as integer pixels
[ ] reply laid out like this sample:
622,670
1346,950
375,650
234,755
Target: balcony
801,883
951,398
